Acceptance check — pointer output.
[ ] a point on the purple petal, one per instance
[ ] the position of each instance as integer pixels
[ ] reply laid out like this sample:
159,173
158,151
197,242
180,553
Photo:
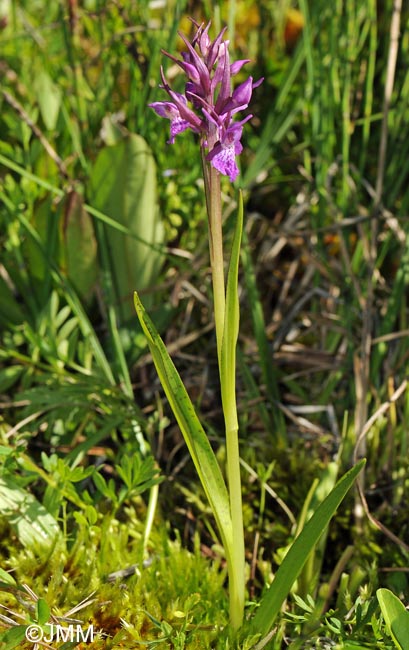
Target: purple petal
204,40
191,72
237,66
258,83
165,109
197,62
180,102
235,129
242,94
233,134
211,119
214,49
240,98
225,87
171,112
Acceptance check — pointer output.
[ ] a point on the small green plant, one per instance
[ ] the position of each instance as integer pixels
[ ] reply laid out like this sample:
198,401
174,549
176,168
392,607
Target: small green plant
138,475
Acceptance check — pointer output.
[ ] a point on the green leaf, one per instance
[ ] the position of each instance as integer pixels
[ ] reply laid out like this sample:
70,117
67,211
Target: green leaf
396,617
231,329
34,526
103,487
49,99
9,376
10,312
198,444
298,554
43,611
7,578
123,185
79,246
13,637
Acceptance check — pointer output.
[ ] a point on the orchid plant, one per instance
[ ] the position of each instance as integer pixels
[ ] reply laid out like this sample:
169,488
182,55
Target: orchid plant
209,107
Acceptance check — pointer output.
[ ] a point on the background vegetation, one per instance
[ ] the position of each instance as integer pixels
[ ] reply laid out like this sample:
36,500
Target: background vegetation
94,204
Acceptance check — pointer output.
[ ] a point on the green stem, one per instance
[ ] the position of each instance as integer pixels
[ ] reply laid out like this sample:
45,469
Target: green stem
236,574
228,388
235,555
214,212
150,515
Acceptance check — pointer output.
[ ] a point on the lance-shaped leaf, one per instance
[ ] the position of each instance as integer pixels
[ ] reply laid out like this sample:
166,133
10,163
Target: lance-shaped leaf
396,617
298,554
195,437
231,328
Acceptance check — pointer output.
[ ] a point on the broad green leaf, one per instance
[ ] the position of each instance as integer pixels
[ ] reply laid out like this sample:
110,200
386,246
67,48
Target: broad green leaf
123,186
33,525
396,617
298,554
79,246
111,131
49,99
197,442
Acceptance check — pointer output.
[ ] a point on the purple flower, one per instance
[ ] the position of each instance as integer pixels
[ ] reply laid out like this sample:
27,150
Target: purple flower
208,90
223,155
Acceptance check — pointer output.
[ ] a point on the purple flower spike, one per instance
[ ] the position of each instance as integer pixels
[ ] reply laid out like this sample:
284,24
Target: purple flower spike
207,67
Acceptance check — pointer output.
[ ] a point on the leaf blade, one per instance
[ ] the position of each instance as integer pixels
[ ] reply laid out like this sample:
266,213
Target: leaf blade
296,557
195,437
123,185
396,617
